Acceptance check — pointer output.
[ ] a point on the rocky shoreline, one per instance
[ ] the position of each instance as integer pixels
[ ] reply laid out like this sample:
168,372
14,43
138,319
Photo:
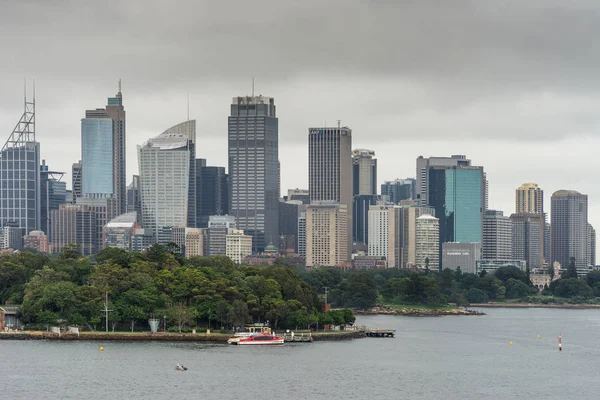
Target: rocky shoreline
536,305
417,312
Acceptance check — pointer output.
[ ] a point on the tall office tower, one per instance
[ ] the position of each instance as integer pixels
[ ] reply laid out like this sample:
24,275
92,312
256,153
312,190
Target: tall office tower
77,180
219,226
427,245
497,232
486,192
364,172
301,242
360,219
405,222
134,197
381,232
253,167
399,189
116,112
302,195
569,227
74,224
167,178
528,238
547,239
211,192
103,155
457,194
20,195
529,198
289,213
326,234
96,154
330,170
591,247
423,164
53,194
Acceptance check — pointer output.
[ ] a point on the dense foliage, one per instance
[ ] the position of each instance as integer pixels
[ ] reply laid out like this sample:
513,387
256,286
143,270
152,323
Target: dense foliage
200,291
363,289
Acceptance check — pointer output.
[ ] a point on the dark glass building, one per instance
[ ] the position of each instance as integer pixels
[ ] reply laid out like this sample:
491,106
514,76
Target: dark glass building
53,194
399,189
253,135
212,192
360,219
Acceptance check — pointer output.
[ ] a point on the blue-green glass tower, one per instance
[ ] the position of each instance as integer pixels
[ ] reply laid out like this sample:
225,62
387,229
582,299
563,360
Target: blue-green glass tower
457,193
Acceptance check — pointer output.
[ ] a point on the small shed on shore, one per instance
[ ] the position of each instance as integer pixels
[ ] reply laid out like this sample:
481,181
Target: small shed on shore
8,317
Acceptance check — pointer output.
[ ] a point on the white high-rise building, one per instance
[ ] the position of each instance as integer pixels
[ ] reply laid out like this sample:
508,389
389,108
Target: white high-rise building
381,231
238,245
427,242
302,234
497,236
167,178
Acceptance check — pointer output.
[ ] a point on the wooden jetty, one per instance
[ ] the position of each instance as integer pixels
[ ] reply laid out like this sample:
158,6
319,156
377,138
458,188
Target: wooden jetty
377,332
302,337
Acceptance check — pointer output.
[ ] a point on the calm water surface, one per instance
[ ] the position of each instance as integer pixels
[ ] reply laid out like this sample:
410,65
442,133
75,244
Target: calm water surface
430,358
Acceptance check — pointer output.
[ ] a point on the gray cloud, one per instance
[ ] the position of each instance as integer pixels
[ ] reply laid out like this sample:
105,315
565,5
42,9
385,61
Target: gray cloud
512,84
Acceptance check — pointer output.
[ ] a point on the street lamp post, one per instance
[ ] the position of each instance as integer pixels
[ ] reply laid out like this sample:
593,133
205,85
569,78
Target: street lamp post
165,323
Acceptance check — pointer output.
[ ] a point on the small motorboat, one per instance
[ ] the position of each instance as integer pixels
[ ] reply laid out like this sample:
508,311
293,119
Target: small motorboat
260,339
180,367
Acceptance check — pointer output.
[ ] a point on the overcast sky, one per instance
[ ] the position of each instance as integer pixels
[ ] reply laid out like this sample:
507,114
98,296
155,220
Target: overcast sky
514,85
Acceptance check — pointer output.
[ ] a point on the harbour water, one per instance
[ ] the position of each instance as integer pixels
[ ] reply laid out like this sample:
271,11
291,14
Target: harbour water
430,358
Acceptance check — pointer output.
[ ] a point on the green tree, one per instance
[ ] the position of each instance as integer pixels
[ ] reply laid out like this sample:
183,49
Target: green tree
573,287
516,289
475,295
571,271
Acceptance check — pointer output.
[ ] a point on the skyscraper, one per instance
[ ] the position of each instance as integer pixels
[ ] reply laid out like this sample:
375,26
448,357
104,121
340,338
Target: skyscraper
253,167
53,193
457,193
529,198
569,216
77,180
330,170
427,246
103,155
423,176
528,238
381,232
96,154
360,219
134,197
364,175
399,189
211,192
591,249
167,178
405,222
20,195
497,232
74,224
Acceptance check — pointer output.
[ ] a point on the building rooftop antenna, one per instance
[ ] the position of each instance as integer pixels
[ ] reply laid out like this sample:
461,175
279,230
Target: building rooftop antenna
188,106
339,123
252,86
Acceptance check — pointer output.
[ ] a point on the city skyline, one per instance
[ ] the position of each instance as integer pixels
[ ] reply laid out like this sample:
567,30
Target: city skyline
504,113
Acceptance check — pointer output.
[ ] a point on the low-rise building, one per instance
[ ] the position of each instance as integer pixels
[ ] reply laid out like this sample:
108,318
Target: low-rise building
490,266
119,231
37,240
238,246
461,255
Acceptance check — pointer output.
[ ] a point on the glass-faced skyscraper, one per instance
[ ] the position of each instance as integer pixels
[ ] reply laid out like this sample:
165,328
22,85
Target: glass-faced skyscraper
457,194
254,168
103,153
569,217
167,179
20,175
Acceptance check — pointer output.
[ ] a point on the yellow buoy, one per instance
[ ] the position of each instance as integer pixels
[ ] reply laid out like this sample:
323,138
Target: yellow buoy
510,342
538,336
101,348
